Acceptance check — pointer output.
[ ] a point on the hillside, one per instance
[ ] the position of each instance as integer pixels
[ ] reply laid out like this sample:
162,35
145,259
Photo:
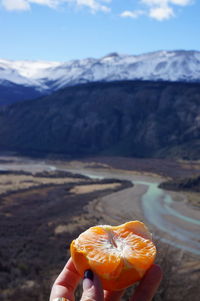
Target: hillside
186,184
11,93
128,118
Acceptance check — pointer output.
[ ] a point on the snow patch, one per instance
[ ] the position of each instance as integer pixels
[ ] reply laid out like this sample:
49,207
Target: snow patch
160,65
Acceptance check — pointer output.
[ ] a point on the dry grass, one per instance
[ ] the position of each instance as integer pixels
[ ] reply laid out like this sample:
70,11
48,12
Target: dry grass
193,198
10,183
82,189
38,225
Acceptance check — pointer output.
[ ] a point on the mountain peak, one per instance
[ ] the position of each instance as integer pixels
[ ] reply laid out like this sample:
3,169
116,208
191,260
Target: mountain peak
177,65
112,54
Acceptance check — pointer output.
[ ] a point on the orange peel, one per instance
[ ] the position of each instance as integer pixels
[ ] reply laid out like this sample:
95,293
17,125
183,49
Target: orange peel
119,255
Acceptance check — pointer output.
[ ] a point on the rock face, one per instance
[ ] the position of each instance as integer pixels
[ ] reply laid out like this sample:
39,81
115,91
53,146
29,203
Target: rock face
132,118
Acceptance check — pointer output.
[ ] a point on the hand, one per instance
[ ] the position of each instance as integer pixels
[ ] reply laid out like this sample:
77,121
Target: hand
66,283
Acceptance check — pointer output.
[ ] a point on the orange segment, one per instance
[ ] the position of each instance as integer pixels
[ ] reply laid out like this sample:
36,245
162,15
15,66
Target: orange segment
120,255
135,227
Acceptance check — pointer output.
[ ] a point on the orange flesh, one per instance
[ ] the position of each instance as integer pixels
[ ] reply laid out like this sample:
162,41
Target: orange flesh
119,255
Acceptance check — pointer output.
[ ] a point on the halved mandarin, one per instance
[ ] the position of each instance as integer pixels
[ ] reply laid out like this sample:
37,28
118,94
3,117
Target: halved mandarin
119,255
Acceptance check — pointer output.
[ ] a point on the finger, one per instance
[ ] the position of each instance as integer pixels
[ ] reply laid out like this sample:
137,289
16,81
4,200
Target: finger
113,296
148,285
92,288
66,283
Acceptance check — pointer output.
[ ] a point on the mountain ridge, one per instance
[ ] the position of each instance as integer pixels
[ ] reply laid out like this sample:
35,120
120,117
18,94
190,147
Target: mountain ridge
127,118
158,65
32,79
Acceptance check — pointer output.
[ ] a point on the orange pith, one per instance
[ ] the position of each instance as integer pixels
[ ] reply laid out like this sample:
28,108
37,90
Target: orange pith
119,255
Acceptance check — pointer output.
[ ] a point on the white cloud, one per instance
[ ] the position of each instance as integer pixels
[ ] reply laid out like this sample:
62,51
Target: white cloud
15,4
93,5
157,9
181,2
161,13
166,2
49,3
132,14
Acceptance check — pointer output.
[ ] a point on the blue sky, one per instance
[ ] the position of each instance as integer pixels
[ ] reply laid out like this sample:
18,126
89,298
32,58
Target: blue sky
61,30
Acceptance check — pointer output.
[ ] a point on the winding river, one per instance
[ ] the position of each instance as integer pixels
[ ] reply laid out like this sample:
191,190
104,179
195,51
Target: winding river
179,222
158,204
162,211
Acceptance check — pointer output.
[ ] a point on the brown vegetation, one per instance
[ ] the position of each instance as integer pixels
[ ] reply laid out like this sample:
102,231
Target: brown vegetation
189,186
37,225
184,184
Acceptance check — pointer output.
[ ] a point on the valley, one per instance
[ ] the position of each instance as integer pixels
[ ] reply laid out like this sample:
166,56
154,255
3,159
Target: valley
44,204
99,141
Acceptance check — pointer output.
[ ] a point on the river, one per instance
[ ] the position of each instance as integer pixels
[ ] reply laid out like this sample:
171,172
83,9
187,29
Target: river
179,222
161,210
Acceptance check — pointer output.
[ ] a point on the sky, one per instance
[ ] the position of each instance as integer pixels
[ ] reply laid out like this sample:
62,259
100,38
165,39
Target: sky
63,30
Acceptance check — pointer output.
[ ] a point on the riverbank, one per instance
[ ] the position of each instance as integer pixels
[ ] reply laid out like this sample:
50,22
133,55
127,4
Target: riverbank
189,186
174,219
37,223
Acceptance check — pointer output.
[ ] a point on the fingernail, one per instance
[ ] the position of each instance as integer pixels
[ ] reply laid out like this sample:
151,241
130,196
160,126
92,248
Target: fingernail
88,280
88,274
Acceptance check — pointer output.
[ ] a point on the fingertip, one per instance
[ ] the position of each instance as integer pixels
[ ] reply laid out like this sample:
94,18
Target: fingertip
92,288
89,274
88,280
70,265
156,271
149,284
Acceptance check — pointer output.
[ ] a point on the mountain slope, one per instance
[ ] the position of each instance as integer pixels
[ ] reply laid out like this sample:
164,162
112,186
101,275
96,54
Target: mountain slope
46,77
11,93
139,119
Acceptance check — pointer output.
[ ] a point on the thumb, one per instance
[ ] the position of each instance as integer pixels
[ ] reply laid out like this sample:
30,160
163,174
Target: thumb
92,288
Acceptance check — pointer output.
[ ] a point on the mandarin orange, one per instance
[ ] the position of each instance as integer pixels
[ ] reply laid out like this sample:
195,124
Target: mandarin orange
119,255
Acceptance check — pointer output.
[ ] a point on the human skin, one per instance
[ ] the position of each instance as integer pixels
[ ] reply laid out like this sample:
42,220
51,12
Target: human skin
68,280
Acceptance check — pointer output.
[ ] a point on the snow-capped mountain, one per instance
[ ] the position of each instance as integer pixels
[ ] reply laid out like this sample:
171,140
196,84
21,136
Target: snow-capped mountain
25,73
50,76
